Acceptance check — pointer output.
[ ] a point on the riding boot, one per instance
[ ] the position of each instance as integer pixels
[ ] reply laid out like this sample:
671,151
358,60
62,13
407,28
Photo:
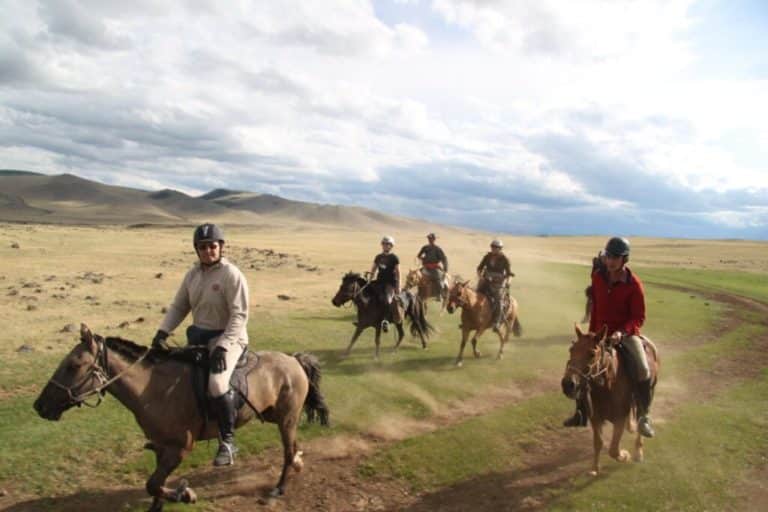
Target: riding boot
644,397
226,414
579,418
496,315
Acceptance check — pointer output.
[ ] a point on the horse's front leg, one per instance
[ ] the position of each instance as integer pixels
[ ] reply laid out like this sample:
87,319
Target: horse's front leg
167,460
476,352
460,357
355,335
615,450
638,455
502,339
377,341
597,442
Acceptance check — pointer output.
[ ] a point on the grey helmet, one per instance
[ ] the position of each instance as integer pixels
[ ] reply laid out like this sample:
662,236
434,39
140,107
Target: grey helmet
497,243
617,246
207,233
388,240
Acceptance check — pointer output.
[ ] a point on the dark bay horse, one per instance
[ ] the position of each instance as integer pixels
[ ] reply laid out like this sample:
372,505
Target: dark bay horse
477,315
426,287
595,367
159,391
371,311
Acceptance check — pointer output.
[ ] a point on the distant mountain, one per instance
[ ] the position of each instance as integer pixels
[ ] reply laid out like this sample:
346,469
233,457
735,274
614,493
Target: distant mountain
69,199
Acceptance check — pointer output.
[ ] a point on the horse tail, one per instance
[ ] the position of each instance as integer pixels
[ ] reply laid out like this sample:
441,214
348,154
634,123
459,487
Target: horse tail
418,317
517,328
314,404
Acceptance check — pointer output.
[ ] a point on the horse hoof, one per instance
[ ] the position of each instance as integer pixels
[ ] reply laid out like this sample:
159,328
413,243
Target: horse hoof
190,496
623,456
477,355
500,357
593,472
276,492
298,462
459,364
638,457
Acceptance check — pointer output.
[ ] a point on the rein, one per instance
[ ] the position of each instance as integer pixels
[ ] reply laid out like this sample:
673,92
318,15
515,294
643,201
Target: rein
595,369
97,371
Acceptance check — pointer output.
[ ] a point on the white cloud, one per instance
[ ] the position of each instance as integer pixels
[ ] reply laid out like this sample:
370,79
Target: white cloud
565,99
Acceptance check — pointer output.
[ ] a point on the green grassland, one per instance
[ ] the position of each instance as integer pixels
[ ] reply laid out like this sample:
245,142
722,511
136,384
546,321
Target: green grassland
96,448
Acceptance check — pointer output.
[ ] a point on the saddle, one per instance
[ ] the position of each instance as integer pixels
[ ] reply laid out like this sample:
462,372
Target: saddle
197,355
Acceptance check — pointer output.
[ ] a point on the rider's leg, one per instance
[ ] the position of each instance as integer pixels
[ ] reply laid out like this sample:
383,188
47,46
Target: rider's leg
580,416
223,400
497,309
634,345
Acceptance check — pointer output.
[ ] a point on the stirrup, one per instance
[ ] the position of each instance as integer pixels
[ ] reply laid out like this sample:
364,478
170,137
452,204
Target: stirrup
644,427
226,454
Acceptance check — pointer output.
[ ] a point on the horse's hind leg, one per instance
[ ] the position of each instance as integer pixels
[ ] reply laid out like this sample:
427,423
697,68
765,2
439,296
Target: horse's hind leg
167,460
502,341
377,341
638,455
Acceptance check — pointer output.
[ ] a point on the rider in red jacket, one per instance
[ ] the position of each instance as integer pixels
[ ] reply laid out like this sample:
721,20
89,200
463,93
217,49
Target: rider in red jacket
618,301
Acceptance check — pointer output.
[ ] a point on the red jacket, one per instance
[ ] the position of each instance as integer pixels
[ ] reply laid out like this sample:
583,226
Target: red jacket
620,306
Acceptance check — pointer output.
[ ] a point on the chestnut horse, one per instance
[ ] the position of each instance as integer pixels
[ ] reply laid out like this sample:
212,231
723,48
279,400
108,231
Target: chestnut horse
158,390
426,288
595,367
477,315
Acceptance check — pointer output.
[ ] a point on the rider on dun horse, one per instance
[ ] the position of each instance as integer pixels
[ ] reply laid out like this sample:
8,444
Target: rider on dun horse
493,273
618,302
434,264
216,293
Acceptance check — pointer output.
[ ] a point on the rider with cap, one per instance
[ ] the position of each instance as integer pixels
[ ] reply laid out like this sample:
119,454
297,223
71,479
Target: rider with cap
618,302
216,293
386,275
432,257
493,273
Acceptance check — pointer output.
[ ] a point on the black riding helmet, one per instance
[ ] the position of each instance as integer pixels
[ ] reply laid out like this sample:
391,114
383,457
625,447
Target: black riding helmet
207,233
617,246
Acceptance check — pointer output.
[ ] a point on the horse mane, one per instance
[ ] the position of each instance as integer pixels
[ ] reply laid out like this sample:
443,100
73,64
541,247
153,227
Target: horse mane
132,350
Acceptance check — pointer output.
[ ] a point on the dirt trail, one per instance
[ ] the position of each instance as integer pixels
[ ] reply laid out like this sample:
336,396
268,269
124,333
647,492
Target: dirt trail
331,481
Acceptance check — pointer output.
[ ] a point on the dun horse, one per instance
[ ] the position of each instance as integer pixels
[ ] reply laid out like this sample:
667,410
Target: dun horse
159,391
597,369
371,311
477,315
426,287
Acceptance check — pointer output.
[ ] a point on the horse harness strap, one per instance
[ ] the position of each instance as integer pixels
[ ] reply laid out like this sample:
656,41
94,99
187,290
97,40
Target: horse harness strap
98,371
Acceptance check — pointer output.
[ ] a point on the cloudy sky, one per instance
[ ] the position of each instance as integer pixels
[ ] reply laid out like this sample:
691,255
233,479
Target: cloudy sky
548,116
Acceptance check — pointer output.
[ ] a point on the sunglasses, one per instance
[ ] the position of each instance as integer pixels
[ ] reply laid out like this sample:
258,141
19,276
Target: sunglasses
204,246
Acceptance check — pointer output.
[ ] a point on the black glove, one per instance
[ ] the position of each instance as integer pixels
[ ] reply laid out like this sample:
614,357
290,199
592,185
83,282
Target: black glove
159,340
218,360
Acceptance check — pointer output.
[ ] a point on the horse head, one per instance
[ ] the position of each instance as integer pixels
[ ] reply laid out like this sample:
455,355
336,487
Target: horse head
457,295
585,361
351,286
77,377
413,278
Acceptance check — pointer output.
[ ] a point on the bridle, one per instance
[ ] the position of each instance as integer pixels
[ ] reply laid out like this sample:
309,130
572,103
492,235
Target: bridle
458,299
98,372
596,369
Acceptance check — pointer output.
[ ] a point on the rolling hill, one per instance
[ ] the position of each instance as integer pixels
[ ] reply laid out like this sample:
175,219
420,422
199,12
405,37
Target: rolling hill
69,199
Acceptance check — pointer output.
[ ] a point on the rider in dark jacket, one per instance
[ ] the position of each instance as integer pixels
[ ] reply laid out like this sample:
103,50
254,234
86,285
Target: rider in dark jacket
432,257
493,273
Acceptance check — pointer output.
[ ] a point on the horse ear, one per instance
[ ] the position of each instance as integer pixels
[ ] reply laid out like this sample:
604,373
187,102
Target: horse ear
465,283
86,336
602,333
578,330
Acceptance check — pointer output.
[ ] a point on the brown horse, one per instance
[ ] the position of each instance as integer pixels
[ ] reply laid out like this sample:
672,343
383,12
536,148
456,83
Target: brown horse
595,367
159,391
477,315
371,311
426,287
